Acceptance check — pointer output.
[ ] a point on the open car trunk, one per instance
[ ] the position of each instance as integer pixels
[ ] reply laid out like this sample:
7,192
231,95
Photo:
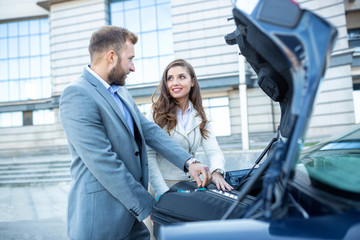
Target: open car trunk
289,49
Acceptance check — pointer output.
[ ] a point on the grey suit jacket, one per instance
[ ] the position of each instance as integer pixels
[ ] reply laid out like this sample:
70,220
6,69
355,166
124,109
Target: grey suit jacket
109,167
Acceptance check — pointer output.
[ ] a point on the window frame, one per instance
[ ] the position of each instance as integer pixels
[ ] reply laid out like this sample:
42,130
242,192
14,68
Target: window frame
25,66
149,61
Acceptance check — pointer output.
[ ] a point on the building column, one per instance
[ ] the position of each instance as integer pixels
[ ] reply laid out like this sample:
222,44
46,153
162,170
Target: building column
243,104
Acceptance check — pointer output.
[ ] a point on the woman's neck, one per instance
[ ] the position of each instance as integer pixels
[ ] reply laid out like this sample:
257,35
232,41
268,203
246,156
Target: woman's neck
183,104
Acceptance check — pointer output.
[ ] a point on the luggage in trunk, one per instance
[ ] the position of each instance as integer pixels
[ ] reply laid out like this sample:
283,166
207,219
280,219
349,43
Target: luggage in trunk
184,202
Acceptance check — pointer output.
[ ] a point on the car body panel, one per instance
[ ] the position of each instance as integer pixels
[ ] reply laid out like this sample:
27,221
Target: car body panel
323,227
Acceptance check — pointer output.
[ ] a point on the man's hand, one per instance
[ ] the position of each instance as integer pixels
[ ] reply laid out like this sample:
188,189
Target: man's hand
197,169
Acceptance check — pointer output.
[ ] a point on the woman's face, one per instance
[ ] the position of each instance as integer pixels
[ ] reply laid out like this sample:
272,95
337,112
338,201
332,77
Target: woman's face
179,83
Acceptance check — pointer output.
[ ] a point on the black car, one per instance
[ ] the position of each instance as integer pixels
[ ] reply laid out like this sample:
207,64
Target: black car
295,193
323,200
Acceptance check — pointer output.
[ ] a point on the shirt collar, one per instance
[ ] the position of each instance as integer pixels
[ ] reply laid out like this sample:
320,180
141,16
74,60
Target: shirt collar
113,88
190,107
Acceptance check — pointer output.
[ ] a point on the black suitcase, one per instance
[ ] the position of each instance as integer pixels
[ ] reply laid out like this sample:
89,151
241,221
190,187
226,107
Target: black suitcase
184,202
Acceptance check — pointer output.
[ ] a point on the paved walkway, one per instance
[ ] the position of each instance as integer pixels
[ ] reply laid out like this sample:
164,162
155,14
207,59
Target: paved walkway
33,212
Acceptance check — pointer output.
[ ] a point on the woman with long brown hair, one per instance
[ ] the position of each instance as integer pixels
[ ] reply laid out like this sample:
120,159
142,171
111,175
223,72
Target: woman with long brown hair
178,110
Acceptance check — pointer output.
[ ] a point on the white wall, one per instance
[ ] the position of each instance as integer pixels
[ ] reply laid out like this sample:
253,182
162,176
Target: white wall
13,9
199,28
71,26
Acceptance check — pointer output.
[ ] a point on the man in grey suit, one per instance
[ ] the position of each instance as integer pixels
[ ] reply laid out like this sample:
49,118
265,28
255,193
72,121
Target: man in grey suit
107,137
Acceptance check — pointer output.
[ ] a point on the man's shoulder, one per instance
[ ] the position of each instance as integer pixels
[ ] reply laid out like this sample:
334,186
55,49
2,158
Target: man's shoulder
81,82
78,86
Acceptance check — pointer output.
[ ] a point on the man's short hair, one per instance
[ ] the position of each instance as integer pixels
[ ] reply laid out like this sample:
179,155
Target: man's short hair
110,38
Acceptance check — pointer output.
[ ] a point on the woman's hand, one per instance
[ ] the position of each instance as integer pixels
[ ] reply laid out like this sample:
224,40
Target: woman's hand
220,182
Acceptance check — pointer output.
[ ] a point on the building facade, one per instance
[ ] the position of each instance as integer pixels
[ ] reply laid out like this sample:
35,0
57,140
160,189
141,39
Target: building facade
43,47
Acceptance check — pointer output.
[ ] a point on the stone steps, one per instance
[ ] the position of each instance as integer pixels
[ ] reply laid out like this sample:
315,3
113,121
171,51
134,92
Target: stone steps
34,170
27,171
25,182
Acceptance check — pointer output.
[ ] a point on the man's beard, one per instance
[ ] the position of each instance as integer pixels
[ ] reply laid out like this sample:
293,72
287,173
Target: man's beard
117,76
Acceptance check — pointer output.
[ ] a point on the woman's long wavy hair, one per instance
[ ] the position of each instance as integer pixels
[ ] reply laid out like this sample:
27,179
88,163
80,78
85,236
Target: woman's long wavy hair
164,108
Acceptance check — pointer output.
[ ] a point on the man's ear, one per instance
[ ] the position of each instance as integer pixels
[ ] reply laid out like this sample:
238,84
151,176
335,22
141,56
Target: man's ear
111,57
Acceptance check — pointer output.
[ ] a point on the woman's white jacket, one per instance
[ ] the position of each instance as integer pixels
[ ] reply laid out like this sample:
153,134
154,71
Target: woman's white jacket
190,139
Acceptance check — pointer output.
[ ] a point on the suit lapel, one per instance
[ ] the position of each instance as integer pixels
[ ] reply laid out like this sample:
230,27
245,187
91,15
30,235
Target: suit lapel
106,95
179,129
194,121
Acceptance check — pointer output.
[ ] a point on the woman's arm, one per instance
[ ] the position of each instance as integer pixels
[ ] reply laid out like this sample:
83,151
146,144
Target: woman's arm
156,178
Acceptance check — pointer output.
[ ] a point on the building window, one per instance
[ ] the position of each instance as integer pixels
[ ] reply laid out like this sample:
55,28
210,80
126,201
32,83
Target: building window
218,112
354,39
24,60
27,118
43,117
11,119
151,21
